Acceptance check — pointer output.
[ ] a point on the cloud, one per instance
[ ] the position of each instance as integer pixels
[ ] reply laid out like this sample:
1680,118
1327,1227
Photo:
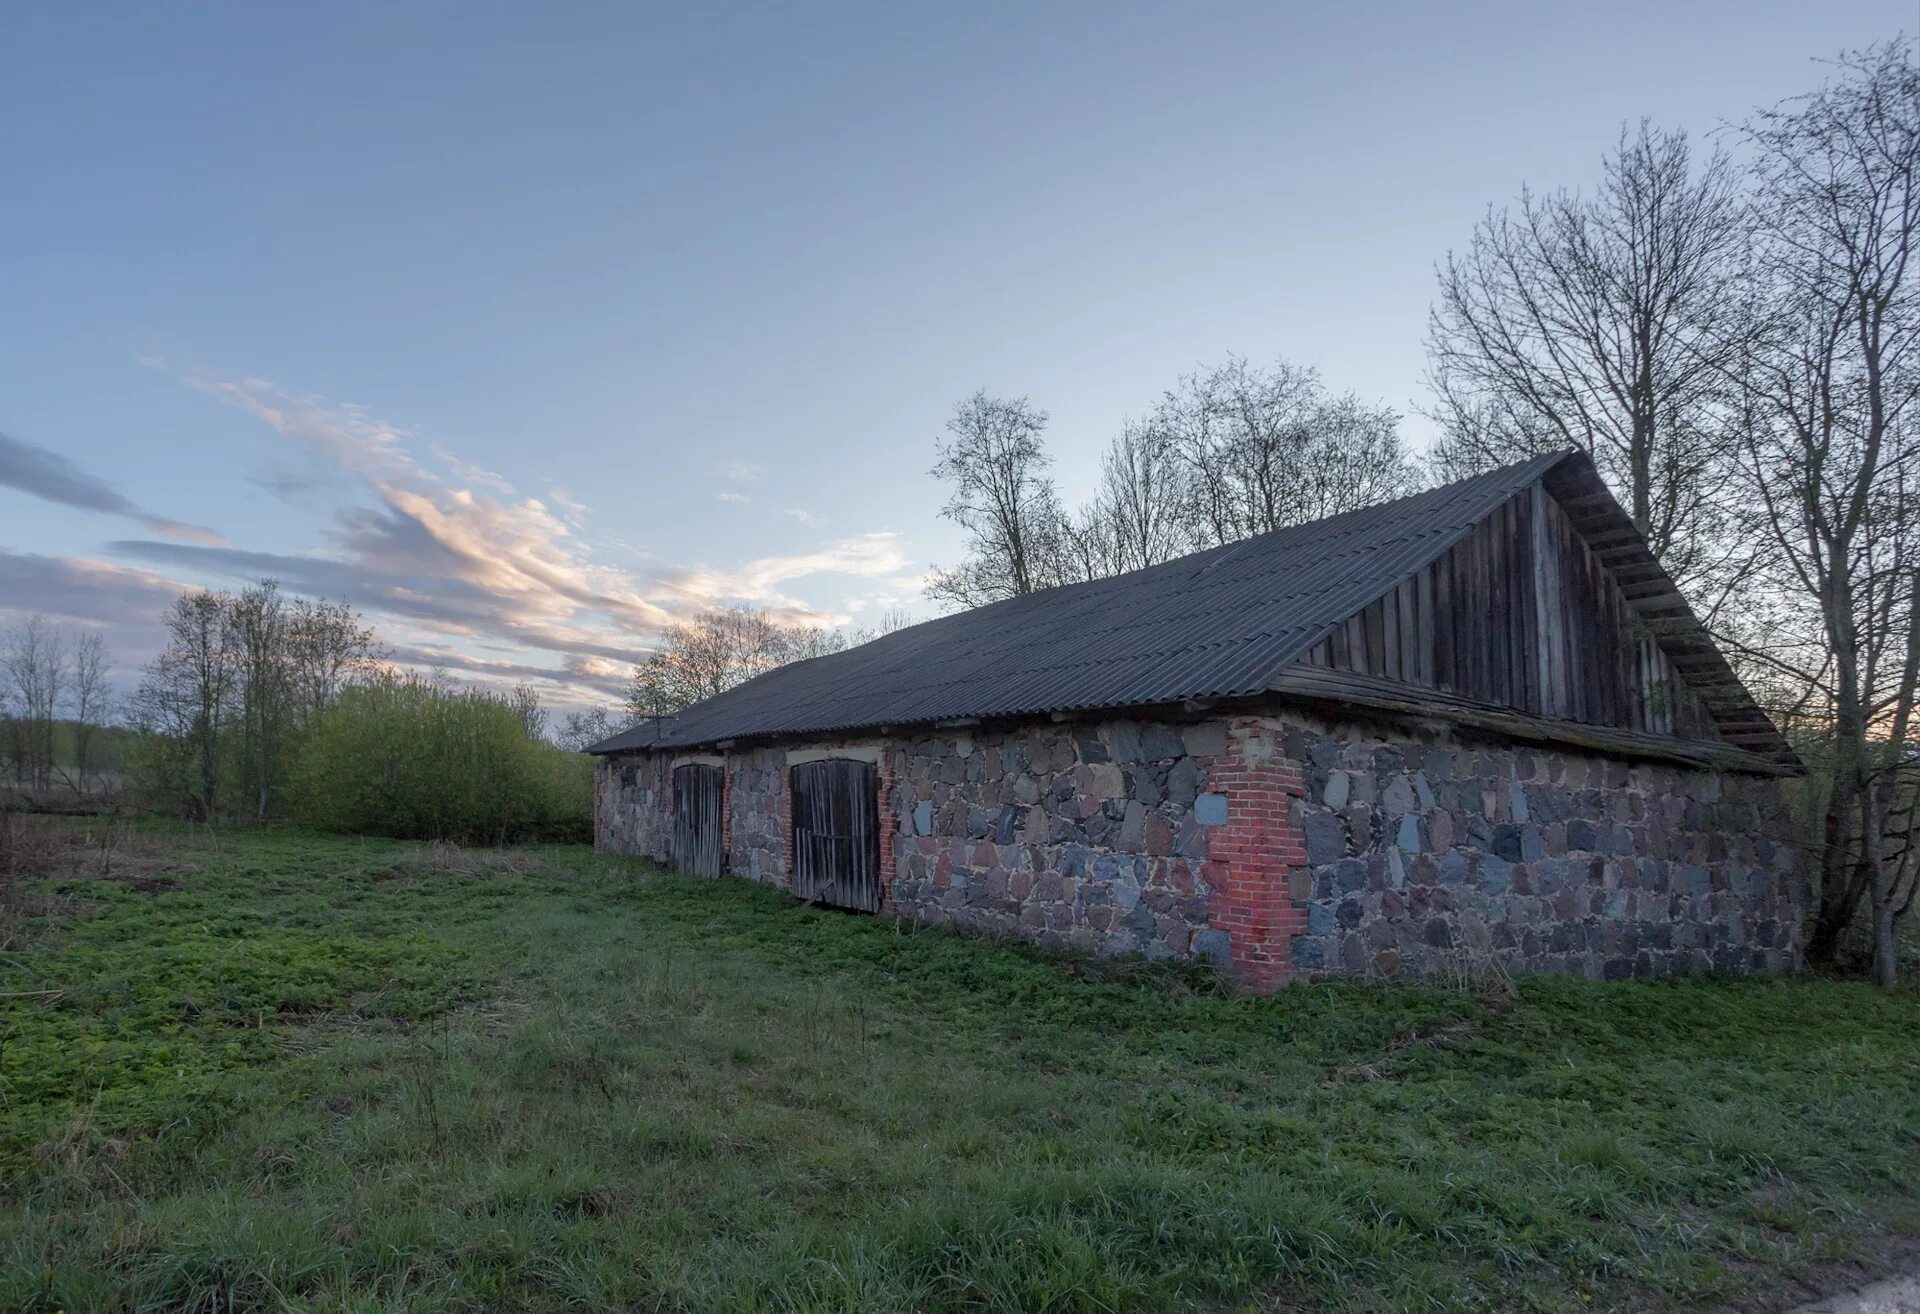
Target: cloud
462,568
603,679
575,513
53,478
759,581
743,472
735,497
80,589
805,517
473,474
127,605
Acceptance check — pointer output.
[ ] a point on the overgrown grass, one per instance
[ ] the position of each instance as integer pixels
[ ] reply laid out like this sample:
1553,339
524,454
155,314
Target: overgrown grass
327,1073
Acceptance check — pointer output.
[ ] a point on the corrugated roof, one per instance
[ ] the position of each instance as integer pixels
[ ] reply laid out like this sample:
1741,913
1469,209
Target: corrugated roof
1219,623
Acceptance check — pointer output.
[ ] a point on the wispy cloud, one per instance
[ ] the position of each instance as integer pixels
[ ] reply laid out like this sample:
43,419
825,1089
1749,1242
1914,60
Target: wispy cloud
804,516
53,478
741,472
473,474
573,512
735,497
450,560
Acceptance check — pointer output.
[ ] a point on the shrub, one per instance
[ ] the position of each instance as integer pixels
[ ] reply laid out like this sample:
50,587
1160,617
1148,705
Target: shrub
403,757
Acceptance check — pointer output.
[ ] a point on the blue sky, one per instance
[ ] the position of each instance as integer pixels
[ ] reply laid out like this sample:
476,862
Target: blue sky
530,328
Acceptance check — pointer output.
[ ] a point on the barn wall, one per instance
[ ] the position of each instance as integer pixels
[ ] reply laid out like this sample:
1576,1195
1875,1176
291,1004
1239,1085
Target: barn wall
633,805
1292,845
1521,613
1086,836
1427,853
758,834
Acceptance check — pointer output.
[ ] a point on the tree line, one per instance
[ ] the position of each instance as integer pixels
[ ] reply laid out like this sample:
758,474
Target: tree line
1229,451
240,676
262,705
713,652
54,704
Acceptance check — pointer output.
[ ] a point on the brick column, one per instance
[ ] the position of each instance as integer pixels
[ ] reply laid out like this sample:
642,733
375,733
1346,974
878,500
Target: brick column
1249,857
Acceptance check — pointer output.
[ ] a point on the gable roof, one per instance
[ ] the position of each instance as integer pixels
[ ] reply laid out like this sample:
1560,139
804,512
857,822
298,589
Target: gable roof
1220,623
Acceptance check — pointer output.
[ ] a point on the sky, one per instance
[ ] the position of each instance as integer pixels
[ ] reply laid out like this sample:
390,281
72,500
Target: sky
531,330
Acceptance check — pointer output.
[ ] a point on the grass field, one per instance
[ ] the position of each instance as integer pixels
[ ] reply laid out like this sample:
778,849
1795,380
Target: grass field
286,1071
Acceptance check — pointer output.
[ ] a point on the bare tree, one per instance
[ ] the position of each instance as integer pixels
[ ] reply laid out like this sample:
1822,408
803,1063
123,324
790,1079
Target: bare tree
1260,448
1828,370
1596,321
90,694
1085,545
892,619
994,463
328,646
1143,512
579,731
714,653
257,632
186,695
524,701
33,663
806,641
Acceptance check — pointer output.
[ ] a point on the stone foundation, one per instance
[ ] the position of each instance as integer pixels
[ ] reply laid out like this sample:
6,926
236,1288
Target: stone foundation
1287,846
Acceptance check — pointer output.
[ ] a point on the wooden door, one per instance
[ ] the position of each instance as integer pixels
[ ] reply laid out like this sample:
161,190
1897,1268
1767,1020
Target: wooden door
836,833
698,793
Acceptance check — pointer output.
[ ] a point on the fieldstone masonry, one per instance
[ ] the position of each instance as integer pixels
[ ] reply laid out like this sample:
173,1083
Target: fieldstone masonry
1288,846
1423,853
1089,836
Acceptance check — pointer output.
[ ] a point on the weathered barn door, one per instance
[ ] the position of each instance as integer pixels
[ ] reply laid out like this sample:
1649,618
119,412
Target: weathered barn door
836,834
698,792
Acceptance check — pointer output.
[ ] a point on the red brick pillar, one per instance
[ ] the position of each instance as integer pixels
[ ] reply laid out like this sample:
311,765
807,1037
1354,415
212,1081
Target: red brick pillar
1250,857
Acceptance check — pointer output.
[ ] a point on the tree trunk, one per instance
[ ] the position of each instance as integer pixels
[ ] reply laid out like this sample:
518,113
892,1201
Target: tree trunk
1886,949
206,771
1839,891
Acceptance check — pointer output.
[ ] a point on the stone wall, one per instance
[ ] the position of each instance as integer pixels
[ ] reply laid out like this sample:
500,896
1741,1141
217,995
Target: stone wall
757,835
1423,854
633,806
1287,846
1091,836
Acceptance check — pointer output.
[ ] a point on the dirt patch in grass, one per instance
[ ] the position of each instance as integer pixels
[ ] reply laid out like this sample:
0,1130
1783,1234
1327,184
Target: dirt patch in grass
49,866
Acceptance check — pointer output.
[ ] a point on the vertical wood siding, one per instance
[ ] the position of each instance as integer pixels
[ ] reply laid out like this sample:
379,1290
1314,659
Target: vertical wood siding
1522,614
698,792
836,833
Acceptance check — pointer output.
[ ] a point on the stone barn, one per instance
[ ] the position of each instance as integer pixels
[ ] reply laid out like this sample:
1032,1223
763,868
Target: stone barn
1474,724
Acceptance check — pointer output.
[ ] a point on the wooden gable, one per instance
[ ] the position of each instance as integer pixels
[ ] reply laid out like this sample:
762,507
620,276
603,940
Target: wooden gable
1525,615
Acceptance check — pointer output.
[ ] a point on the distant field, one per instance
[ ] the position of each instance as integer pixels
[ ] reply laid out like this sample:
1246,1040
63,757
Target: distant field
273,1070
106,745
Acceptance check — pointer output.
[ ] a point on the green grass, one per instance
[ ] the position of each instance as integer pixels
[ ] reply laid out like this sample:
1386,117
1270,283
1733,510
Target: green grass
333,1074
